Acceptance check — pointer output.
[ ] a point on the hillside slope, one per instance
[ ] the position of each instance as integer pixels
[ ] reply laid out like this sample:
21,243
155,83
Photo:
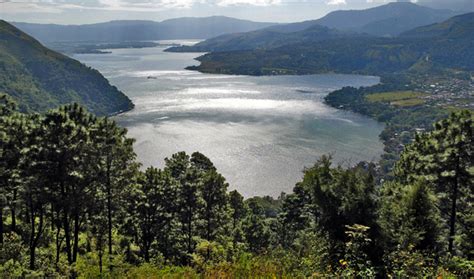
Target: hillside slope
458,27
265,39
449,44
383,21
39,78
386,20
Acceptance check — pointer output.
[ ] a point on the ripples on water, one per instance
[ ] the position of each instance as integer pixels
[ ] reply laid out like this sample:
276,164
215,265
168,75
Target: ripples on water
259,131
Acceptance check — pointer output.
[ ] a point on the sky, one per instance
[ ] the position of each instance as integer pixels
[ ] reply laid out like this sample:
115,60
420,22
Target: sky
93,11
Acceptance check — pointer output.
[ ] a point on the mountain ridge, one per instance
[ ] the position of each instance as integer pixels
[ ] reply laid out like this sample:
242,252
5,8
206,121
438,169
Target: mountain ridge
383,21
133,30
369,55
408,14
264,39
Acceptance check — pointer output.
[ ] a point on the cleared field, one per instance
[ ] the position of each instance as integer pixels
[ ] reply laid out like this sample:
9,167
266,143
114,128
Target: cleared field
408,102
398,98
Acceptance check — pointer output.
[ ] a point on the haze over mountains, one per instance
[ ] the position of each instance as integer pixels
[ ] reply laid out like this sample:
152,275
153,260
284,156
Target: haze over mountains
440,46
139,30
388,20
271,37
39,79
386,39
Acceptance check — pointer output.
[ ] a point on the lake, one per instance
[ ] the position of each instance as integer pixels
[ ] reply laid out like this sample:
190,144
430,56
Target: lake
260,132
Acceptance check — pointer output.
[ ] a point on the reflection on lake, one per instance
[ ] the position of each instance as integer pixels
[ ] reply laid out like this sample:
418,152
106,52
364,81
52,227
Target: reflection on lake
260,132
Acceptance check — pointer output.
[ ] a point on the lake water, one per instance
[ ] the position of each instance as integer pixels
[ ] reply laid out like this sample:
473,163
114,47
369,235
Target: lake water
260,132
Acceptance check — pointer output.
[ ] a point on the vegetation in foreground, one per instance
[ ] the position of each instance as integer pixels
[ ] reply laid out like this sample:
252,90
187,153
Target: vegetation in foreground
74,203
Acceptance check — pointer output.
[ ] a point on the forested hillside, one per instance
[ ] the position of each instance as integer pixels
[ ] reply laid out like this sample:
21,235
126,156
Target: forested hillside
442,46
386,20
458,27
74,202
40,79
267,38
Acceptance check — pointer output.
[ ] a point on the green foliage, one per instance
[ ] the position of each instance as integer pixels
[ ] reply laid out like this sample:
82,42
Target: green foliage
409,217
410,263
75,204
297,53
400,98
402,120
357,263
256,229
267,38
444,157
340,197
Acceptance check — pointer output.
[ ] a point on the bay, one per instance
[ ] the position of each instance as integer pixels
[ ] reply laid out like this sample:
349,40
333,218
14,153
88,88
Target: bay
260,132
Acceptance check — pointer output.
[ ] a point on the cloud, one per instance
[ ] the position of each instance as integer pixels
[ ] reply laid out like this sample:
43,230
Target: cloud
248,2
25,7
56,6
336,2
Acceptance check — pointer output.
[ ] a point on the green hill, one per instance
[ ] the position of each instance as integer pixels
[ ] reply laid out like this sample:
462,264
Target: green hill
458,27
383,21
39,78
267,38
447,45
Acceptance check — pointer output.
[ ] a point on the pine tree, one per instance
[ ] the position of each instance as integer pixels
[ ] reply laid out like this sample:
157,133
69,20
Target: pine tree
409,217
215,205
115,169
238,212
256,230
444,157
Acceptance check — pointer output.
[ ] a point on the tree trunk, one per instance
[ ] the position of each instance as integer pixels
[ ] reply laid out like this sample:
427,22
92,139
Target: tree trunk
208,233
190,237
32,238
35,236
452,219
13,211
100,262
1,225
167,233
67,230
67,236
147,252
76,237
58,241
109,214
32,246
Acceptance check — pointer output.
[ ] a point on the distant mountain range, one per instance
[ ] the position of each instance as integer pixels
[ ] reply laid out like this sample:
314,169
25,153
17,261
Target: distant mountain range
267,38
39,78
459,28
384,39
137,30
449,44
384,21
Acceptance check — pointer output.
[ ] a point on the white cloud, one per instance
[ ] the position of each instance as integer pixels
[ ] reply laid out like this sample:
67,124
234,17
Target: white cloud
248,2
17,7
336,2
56,6
386,1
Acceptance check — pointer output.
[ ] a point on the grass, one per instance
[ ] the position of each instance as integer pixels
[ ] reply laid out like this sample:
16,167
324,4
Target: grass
398,98
408,102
